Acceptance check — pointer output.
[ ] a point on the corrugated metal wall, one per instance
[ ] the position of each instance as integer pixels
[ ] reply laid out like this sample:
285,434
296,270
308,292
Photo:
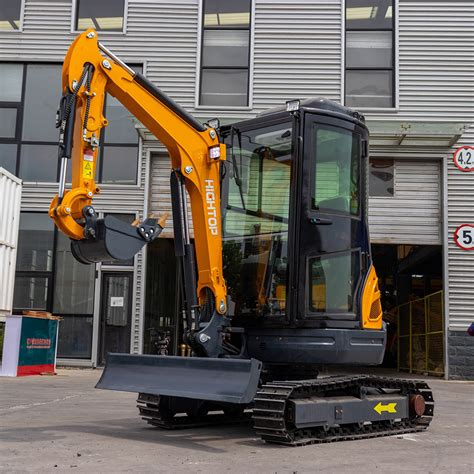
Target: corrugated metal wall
413,214
297,52
436,83
460,262
436,43
160,196
160,193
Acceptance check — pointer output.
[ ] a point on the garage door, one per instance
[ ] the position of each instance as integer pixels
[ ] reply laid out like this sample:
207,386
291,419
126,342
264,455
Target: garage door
412,213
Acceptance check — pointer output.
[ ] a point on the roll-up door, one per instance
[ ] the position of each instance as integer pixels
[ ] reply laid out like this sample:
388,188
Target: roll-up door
413,214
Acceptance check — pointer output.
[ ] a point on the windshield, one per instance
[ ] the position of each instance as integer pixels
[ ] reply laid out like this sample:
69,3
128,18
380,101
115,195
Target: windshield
255,230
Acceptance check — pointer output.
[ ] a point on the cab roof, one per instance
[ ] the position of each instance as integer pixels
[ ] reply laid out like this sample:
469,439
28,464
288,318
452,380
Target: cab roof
318,103
313,105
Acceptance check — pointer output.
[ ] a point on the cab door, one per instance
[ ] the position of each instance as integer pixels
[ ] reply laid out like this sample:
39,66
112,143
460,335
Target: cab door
332,245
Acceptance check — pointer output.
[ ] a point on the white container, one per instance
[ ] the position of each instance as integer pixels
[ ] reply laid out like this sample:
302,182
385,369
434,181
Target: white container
10,197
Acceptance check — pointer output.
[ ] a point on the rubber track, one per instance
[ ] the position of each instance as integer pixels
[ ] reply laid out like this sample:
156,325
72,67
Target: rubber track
149,410
269,413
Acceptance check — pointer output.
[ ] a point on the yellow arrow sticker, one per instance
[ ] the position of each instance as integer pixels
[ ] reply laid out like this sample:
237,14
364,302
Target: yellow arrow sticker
389,408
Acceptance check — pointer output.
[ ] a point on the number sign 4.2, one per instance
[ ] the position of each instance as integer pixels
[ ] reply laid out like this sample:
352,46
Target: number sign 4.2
464,236
464,158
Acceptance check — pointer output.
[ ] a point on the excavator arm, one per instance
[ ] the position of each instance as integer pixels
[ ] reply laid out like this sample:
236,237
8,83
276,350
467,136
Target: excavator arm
89,72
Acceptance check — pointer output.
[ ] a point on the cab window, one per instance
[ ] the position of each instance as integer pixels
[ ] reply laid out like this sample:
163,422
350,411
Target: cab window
255,231
336,178
333,282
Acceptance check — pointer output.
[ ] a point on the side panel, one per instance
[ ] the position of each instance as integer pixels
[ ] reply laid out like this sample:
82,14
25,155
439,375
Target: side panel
317,346
344,410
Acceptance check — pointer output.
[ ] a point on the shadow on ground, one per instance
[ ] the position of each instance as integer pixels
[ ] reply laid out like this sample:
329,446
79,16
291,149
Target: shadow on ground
126,429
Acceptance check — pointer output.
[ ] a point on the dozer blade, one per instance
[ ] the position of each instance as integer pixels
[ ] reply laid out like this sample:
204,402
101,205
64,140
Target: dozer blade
202,378
115,240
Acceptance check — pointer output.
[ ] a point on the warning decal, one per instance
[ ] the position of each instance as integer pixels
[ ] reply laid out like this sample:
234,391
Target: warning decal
87,169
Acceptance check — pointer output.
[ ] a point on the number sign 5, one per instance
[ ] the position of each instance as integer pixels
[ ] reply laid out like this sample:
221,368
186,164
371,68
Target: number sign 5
464,236
464,158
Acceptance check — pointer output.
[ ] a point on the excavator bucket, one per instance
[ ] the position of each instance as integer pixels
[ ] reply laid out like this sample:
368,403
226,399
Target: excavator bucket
114,240
201,378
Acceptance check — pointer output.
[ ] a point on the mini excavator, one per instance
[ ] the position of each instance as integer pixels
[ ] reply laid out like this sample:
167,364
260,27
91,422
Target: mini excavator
278,278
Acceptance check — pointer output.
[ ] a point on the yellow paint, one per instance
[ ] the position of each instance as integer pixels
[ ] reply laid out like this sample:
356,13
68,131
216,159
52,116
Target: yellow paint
187,147
389,408
371,319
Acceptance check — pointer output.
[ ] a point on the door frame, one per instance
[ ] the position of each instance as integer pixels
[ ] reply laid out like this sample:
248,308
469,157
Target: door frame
100,269
305,189
100,308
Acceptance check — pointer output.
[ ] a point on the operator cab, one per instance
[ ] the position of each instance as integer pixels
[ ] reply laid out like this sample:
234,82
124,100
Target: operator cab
295,234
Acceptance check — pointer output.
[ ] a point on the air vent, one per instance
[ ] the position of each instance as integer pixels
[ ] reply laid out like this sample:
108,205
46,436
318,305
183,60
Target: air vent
375,310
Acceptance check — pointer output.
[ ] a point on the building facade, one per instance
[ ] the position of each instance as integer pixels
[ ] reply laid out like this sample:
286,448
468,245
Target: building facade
406,65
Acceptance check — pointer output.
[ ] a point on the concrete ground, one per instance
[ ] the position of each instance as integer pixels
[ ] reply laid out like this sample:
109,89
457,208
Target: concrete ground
60,423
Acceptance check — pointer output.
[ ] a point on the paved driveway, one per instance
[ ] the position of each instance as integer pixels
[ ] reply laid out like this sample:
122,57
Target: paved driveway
60,423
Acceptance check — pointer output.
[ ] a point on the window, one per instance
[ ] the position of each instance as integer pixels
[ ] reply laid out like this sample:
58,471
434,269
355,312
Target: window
73,299
333,282
255,233
10,15
28,144
118,161
11,77
73,281
369,53
75,337
225,53
381,181
102,15
8,122
336,180
162,296
34,265
48,278
29,139
259,188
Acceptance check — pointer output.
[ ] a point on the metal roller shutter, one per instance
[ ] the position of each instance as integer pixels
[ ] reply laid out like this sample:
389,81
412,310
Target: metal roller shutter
413,214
